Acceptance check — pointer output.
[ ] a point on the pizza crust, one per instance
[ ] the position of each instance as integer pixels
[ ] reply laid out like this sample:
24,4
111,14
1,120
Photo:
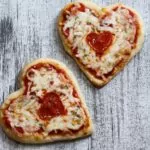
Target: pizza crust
96,81
38,138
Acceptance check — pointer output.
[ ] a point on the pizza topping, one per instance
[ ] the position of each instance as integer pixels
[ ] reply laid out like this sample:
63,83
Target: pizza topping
66,32
99,42
86,31
7,122
19,129
81,7
51,106
72,10
40,130
50,102
22,113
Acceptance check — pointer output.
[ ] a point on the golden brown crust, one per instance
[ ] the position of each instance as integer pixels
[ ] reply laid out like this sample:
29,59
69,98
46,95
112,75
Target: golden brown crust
97,81
36,138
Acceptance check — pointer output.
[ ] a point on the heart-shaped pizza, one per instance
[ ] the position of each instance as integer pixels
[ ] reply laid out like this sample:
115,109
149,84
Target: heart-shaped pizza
101,40
48,107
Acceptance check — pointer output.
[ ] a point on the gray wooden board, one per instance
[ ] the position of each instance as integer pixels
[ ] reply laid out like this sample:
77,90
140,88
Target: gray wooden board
120,110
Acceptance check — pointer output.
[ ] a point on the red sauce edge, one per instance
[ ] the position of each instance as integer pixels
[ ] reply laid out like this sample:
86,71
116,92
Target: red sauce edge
40,130
19,129
7,122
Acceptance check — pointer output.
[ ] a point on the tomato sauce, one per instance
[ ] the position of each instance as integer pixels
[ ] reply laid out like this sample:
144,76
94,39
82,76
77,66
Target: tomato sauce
66,32
51,106
81,8
74,50
26,81
7,122
136,34
75,94
40,130
19,129
99,41
93,72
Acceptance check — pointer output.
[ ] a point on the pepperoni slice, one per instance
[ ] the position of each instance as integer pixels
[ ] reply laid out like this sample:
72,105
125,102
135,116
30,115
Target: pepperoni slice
99,41
51,106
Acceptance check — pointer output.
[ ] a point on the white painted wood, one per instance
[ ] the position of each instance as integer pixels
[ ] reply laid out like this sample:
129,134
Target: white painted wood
120,111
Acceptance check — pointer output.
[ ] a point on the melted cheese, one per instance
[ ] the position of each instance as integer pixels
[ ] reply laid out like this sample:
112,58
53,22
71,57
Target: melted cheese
23,111
119,22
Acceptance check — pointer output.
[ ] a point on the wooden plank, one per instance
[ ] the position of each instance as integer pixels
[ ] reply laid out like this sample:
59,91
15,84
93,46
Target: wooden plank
120,111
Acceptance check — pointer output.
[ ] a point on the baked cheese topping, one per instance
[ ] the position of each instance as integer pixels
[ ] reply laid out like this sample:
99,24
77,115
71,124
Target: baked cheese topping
120,22
23,111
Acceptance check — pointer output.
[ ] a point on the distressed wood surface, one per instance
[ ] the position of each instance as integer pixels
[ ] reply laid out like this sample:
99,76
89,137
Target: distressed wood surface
120,111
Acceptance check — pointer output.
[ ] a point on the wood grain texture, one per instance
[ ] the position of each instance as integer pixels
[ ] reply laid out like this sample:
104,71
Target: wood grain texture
120,111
